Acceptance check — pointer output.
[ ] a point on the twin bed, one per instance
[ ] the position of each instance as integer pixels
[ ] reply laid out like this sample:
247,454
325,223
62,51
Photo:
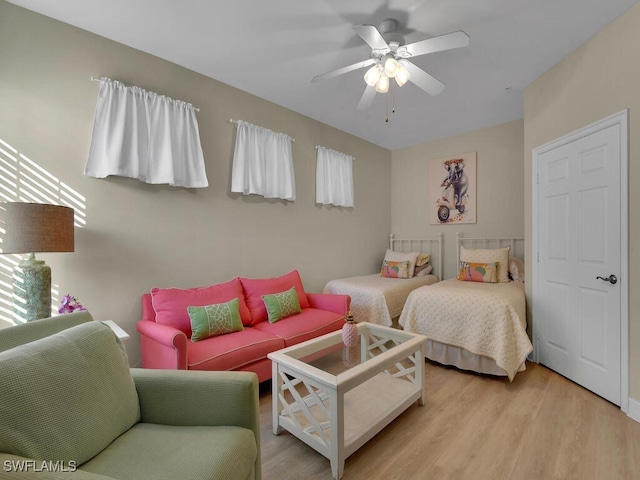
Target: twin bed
378,299
470,325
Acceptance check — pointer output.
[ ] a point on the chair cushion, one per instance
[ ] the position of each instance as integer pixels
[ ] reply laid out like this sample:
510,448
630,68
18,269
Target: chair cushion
67,396
170,304
255,288
159,452
233,350
309,324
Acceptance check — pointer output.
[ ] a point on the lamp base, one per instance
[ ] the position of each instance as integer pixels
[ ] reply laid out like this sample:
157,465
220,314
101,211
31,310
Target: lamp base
31,290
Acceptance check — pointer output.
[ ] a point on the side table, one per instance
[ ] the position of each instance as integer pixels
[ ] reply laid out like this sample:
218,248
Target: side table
117,329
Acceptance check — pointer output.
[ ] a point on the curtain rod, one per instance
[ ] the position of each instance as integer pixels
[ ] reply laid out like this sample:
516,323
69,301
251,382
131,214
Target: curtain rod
332,150
231,120
96,79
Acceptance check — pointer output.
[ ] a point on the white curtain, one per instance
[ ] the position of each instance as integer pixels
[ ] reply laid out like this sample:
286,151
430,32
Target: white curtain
143,135
334,178
262,163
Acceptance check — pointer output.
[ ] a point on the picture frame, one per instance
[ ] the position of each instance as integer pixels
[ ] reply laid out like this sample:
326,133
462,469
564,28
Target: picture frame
452,192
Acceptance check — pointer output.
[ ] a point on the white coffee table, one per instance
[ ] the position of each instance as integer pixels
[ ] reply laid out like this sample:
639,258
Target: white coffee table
335,399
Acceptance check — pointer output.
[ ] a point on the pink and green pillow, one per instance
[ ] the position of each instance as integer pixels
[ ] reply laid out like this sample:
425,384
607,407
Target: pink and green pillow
213,320
478,272
255,288
395,269
281,305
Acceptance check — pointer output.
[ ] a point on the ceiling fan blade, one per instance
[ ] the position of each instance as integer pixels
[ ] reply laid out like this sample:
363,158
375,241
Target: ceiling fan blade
347,69
371,35
422,79
367,98
438,44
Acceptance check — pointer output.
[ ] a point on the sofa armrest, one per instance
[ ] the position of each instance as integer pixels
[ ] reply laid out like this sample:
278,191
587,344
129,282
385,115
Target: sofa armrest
162,346
195,398
331,302
20,468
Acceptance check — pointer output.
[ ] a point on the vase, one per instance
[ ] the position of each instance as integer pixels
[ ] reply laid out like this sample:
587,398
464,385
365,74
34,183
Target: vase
350,333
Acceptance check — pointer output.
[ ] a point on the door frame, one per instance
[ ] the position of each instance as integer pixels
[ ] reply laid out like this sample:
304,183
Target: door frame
622,119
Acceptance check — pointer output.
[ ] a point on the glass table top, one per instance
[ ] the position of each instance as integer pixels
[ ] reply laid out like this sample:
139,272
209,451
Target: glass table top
329,354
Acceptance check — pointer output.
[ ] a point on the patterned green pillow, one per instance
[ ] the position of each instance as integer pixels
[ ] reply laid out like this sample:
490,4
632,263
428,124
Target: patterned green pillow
282,305
214,320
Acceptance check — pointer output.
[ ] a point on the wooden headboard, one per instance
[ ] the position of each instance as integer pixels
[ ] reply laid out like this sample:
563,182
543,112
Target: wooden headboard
432,246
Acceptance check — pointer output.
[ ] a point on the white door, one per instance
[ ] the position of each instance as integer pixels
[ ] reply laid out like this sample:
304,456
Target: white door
578,300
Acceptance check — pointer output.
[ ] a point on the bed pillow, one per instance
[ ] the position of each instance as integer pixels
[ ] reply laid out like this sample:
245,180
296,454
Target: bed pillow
395,269
422,262
516,269
478,272
423,271
410,257
489,255
214,320
422,259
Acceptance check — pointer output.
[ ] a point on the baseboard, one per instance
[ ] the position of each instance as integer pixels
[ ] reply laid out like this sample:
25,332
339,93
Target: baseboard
634,410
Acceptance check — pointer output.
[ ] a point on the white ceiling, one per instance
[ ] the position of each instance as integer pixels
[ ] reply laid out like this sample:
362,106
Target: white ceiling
273,48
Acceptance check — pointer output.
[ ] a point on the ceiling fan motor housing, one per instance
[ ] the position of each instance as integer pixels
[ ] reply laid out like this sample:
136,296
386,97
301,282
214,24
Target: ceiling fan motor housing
387,29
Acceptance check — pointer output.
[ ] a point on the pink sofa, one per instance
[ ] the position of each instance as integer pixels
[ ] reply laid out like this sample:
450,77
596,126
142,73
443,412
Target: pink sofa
165,329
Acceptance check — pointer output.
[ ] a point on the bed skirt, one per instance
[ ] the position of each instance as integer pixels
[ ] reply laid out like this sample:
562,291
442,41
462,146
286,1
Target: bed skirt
463,359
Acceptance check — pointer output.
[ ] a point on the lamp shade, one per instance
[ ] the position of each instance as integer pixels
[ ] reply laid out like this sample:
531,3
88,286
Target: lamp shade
36,227
402,75
372,75
383,84
391,67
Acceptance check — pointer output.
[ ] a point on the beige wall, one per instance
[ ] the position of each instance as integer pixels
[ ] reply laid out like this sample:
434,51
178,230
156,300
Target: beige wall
500,201
138,236
600,78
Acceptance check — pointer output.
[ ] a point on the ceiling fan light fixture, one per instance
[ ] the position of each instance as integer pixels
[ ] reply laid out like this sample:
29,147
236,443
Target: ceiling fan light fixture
383,84
391,67
372,76
402,76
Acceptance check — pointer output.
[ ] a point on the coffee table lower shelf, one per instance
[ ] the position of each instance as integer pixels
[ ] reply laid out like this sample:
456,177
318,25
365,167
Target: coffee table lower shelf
366,410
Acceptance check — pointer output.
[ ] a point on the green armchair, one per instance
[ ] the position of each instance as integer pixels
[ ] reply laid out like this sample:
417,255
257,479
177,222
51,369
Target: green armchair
72,409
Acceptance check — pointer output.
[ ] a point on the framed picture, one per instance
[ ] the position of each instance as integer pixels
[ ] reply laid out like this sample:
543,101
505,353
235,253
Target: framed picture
452,190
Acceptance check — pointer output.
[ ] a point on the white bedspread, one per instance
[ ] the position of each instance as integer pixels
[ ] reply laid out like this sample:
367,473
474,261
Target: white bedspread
377,299
485,319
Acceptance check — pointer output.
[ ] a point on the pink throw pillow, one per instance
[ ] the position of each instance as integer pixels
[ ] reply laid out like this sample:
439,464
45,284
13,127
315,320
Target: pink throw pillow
254,288
170,304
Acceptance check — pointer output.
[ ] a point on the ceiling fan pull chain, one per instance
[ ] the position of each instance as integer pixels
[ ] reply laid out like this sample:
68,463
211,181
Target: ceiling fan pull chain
393,99
387,108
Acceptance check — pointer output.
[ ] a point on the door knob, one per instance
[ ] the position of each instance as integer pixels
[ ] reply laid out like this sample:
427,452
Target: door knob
612,279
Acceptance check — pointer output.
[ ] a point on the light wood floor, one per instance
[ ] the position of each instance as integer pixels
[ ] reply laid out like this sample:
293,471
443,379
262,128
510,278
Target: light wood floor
539,427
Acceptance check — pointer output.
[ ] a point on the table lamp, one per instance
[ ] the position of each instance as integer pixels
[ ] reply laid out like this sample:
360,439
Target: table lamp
32,228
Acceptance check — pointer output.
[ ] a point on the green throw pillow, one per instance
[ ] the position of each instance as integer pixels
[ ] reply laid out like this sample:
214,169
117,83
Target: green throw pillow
214,320
282,305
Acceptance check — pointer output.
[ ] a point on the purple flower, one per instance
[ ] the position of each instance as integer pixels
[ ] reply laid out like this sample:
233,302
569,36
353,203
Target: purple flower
70,304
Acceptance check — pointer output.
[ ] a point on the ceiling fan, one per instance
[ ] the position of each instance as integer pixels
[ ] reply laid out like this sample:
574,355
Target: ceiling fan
390,59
